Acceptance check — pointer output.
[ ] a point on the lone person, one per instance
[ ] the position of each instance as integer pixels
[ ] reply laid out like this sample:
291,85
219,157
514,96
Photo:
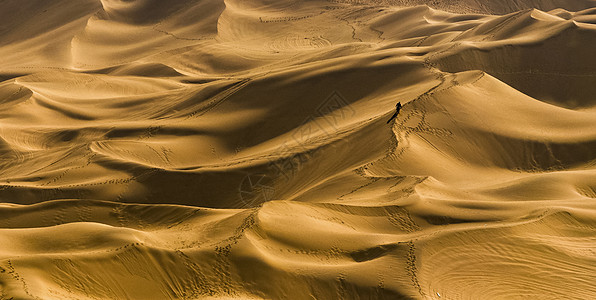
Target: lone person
397,108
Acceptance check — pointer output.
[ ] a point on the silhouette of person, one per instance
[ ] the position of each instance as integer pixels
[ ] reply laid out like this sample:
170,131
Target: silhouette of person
397,108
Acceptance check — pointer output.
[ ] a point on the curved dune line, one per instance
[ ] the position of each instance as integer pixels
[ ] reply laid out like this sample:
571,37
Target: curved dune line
242,150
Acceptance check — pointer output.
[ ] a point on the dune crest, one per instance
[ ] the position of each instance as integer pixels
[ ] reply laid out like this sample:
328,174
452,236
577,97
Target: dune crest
240,149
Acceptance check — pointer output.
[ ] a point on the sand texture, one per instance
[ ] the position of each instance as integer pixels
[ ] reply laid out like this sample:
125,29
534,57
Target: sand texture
239,149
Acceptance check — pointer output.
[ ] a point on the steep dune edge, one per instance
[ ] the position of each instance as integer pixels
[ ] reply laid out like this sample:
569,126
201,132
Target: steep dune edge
566,81
242,150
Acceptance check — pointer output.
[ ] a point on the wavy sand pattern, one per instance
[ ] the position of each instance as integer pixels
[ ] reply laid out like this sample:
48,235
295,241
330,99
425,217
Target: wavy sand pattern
188,149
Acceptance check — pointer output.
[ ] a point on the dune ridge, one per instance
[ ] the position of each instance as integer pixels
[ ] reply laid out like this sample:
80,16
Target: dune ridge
239,149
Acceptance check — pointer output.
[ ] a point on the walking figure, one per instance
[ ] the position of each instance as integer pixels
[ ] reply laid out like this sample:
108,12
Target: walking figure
397,108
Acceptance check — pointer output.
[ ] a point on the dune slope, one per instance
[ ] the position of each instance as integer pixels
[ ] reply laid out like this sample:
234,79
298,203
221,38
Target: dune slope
240,149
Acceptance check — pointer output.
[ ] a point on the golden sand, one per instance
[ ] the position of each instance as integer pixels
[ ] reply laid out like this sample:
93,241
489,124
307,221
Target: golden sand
155,149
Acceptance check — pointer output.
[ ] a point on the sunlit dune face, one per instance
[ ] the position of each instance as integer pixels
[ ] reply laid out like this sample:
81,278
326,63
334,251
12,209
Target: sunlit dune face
297,149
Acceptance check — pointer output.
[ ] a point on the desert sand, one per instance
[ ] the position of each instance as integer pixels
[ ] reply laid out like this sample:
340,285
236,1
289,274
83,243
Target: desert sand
239,149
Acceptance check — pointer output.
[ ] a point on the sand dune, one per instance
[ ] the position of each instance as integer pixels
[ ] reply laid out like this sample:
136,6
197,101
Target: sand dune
240,149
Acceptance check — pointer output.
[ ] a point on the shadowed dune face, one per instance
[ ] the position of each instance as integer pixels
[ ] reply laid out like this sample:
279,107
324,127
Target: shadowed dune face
141,11
546,70
240,149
